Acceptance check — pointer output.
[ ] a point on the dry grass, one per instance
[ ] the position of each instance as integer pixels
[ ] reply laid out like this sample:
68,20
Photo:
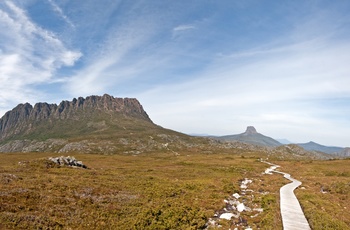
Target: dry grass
154,191
161,191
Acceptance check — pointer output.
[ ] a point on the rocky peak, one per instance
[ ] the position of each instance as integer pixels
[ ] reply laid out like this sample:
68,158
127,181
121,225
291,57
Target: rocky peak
24,117
250,130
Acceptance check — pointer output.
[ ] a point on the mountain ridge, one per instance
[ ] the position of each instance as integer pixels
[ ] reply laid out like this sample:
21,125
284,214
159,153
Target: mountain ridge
25,118
333,150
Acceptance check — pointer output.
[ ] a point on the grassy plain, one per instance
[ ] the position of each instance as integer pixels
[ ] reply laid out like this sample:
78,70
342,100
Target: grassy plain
161,191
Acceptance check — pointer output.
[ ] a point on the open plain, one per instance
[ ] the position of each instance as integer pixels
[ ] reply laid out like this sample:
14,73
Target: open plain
164,191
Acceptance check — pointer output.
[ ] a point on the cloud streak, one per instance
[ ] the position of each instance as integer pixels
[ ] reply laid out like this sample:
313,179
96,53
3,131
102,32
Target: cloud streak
29,55
60,12
183,28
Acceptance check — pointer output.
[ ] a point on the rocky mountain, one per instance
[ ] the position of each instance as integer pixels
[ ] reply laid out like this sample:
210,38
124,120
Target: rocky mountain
96,124
69,118
313,146
251,136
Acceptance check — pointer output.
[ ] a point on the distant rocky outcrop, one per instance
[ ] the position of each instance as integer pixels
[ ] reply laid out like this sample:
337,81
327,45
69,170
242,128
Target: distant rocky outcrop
251,136
250,131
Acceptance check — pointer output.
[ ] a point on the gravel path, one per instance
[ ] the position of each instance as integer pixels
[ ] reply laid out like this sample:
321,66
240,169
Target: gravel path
293,217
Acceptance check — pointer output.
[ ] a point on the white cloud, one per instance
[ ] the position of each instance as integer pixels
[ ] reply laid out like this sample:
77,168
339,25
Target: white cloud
29,55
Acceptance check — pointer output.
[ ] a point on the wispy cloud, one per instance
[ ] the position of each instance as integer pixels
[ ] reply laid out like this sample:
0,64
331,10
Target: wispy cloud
29,55
121,56
60,12
183,28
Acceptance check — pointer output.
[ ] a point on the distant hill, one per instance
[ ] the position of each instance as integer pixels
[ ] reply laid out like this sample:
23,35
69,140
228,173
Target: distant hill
313,146
251,136
293,151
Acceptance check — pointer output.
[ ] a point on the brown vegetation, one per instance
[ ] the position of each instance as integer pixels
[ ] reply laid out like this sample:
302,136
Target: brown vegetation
161,191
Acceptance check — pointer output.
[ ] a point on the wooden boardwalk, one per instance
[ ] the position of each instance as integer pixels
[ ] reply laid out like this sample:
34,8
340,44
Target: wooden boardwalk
293,217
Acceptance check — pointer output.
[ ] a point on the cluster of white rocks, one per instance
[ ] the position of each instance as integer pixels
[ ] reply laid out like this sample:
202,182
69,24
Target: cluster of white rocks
234,206
68,161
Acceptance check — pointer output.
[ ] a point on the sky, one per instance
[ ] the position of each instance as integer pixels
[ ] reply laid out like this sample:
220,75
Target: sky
197,67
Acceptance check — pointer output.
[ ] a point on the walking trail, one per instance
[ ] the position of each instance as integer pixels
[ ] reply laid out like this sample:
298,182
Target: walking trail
293,217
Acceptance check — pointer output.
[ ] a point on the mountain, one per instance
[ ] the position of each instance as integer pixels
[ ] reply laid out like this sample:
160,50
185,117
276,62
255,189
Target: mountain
108,125
96,124
71,118
251,136
312,146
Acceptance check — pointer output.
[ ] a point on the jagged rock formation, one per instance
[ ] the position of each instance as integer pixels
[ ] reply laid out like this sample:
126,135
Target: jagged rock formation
251,136
83,113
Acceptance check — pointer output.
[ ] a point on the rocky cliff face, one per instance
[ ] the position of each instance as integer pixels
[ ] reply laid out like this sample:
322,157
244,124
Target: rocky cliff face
24,118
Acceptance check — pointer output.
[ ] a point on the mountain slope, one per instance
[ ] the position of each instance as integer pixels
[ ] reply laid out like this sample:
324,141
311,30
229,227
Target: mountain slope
251,136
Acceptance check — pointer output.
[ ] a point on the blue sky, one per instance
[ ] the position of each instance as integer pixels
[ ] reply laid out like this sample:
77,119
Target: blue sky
201,66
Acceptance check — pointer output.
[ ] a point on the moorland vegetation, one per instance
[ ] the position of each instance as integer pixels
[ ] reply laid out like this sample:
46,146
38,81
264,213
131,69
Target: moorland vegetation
162,191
